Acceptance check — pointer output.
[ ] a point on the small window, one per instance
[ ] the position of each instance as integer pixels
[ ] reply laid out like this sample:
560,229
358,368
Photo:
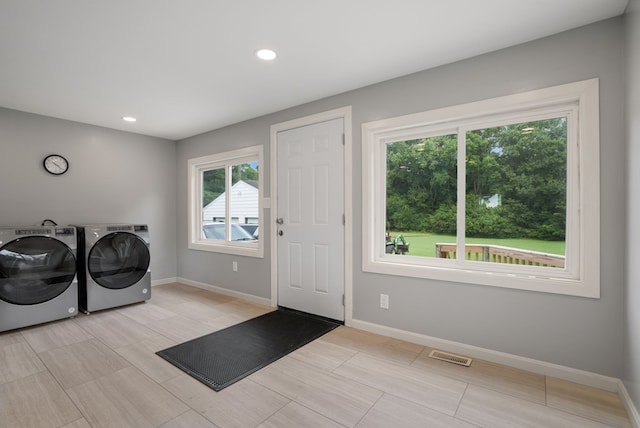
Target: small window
502,192
225,203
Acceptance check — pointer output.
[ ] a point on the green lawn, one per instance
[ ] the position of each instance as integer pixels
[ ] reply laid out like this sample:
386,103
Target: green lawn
424,244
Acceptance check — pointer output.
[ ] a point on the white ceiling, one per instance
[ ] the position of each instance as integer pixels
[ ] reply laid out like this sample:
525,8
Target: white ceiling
184,67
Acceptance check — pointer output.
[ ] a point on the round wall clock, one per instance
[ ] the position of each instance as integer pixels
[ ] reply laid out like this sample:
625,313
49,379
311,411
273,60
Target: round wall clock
56,164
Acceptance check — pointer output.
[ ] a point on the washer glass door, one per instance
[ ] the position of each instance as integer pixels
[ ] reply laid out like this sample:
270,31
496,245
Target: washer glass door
118,260
35,269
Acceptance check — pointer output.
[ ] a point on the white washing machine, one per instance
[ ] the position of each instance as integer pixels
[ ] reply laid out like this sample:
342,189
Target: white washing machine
113,267
38,281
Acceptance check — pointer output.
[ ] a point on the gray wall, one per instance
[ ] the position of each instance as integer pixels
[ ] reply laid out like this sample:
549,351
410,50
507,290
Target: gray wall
577,332
114,177
253,275
632,314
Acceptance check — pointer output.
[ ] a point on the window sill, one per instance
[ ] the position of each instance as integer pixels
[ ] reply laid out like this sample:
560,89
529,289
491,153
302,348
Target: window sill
398,265
247,250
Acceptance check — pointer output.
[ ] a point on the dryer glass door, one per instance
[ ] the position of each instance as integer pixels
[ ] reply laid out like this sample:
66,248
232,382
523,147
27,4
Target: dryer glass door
118,260
35,269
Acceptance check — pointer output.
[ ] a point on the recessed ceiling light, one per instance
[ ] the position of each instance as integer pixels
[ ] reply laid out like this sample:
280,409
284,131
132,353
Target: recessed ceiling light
266,54
129,119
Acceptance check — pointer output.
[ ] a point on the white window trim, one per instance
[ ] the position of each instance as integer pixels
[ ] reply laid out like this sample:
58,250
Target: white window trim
582,275
195,167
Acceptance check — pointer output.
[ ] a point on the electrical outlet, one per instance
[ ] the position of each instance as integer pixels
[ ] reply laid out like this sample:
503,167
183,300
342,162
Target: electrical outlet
235,266
384,301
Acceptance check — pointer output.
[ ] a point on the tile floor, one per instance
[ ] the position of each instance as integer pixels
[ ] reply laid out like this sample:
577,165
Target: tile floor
101,370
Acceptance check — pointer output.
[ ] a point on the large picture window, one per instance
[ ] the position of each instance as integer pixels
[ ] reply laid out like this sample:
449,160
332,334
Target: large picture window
502,192
225,202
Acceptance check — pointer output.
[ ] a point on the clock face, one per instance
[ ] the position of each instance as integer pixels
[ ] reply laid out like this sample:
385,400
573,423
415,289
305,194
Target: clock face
56,164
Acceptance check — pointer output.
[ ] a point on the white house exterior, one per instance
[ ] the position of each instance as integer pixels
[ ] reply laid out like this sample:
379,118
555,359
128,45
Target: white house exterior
491,201
244,204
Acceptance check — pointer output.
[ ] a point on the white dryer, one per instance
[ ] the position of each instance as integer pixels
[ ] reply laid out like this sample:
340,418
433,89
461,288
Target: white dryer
113,265
38,280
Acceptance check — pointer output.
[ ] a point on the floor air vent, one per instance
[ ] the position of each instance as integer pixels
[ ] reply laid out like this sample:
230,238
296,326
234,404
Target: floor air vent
451,358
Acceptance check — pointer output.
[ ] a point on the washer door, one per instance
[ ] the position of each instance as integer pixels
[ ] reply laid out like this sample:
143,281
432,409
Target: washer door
35,269
118,260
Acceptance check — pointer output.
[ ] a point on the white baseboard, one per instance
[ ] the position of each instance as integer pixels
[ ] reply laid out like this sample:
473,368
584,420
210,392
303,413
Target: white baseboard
227,292
629,405
163,281
561,372
523,363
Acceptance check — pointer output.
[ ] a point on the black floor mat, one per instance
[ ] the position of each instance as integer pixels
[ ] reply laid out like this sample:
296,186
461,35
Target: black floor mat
226,356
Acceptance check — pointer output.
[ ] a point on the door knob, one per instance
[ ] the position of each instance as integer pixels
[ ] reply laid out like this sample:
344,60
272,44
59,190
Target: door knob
280,233
280,220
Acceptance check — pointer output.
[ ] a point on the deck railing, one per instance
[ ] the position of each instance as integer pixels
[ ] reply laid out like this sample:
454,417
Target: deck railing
499,254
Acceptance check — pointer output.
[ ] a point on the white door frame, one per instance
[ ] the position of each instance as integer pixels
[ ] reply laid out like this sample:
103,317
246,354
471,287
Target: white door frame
345,114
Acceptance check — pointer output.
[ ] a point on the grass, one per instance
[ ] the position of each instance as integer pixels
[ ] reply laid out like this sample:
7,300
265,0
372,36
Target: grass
424,244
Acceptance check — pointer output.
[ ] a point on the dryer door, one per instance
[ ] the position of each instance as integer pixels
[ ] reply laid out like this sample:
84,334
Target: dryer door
35,269
118,260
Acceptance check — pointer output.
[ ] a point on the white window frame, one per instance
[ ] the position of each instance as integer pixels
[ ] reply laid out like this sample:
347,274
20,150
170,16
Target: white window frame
579,101
195,168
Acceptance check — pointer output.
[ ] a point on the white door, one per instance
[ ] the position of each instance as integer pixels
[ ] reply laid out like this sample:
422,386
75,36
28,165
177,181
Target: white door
310,211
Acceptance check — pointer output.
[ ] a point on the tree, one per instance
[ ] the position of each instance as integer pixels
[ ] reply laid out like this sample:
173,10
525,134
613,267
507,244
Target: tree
213,180
420,177
524,164
534,176
244,171
213,185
